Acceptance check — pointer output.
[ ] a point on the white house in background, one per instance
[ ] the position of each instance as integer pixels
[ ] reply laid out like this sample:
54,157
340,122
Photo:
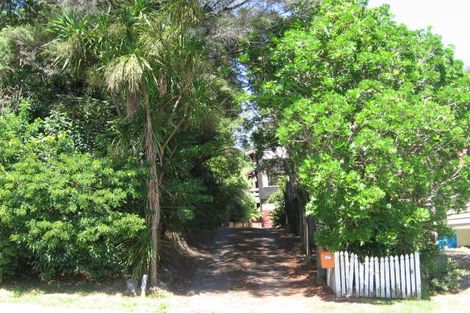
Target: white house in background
460,222
264,177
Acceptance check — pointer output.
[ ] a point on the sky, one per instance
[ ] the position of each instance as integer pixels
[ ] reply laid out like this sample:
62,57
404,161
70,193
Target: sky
449,18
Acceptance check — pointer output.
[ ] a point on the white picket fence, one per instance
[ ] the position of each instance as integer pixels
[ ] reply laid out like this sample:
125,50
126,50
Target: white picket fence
386,277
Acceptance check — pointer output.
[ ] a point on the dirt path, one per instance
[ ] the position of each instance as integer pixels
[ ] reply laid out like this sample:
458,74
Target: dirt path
235,270
263,271
263,262
249,270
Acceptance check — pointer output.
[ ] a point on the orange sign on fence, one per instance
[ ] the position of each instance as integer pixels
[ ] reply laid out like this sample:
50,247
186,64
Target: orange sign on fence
327,259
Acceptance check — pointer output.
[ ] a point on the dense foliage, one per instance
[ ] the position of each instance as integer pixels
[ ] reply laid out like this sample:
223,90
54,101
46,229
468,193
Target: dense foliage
62,211
376,120
117,123
127,87
278,198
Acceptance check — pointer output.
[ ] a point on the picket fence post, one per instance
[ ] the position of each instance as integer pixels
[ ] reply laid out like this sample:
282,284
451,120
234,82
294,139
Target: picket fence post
413,275
418,275
371,277
384,277
377,277
402,273
346,272
351,273
337,275
387,277
407,273
393,290
397,273
356,275
366,276
343,274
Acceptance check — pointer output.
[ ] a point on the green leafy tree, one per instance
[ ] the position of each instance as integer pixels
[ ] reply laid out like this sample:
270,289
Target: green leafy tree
146,80
160,72
376,119
17,12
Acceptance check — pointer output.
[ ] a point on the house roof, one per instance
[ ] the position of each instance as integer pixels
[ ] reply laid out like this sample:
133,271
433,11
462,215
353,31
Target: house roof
459,220
277,153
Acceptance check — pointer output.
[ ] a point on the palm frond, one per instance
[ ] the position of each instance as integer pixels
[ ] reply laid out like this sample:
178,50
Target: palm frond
127,71
74,40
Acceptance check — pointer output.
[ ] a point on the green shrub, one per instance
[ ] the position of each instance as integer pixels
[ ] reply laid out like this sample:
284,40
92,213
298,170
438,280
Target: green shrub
278,198
62,212
225,188
441,275
279,217
255,214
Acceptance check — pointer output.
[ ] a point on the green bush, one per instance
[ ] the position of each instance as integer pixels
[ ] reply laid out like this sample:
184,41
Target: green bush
441,275
279,216
62,212
278,198
223,193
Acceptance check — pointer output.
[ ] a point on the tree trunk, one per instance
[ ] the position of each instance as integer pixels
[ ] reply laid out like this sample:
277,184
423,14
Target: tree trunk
133,101
153,195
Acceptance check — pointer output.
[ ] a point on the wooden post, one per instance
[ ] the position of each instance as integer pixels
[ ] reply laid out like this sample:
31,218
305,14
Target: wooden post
351,275
377,277
366,276
393,290
387,277
320,271
402,274
356,275
413,275
397,273
397,276
382,278
143,286
305,229
343,274
361,279
337,276
347,272
418,275
328,277
408,278
371,277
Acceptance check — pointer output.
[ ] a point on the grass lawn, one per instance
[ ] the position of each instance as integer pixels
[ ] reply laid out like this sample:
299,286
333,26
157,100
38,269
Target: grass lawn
102,300
106,297
80,296
453,303
443,303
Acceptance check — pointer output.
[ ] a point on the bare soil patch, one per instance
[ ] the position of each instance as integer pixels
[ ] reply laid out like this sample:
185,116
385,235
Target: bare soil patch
262,262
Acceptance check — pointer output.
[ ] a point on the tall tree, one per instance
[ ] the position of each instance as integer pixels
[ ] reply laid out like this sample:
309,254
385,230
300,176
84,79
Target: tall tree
159,63
146,54
376,118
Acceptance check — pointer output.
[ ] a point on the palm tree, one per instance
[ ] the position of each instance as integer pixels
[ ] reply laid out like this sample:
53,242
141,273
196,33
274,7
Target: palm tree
145,54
